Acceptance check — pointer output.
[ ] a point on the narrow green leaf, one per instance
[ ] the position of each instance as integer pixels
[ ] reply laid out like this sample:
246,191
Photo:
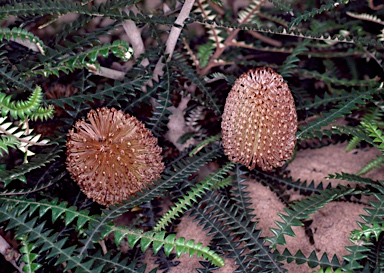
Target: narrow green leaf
158,242
180,249
119,236
132,239
168,246
146,241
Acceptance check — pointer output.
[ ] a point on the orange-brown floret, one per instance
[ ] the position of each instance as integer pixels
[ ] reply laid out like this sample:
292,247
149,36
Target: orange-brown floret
112,156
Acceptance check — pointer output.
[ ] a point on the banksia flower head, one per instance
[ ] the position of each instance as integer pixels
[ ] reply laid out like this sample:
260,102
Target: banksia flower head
259,120
112,156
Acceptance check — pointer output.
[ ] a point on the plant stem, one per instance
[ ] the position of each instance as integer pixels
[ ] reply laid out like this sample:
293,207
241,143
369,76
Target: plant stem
173,37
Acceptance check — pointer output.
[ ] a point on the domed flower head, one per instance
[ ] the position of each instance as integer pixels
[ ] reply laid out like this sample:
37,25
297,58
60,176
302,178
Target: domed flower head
112,156
259,120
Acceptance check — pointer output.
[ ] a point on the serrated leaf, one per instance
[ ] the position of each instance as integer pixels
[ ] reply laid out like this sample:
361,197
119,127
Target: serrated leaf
132,239
158,243
169,244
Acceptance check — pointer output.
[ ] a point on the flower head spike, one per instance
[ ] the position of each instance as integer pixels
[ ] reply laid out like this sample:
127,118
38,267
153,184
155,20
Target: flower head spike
259,120
112,156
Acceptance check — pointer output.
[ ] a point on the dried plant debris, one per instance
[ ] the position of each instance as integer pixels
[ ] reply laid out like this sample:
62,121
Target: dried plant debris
259,121
112,156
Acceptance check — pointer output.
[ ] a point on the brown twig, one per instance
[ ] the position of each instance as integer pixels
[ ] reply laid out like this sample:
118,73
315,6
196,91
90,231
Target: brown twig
227,43
265,39
103,247
190,52
36,47
372,6
135,39
5,249
173,37
106,72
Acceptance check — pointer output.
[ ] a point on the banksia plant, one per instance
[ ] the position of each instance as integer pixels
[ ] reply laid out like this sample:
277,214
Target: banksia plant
112,156
259,120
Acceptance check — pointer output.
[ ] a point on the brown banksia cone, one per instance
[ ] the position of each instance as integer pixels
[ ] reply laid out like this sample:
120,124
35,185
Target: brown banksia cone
112,156
58,91
259,121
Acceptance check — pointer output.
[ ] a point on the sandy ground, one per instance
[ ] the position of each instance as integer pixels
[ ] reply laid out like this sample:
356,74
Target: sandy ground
331,225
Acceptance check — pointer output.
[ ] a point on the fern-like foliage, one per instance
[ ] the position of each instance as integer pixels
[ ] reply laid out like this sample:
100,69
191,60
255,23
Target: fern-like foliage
71,214
291,62
40,184
353,131
24,109
57,209
207,98
204,143
115,93
354,178
308,14
195,130
375,257
371,133
219,76
360,249
373,164
7,142
20,137
204,53
304,187
226,242
215,34
239,192
12,79
34,233
281,4
330,78
374,212
169,243
312,261
218,212
159,119
343,108
363,41
116,262
358,252
29,257
18,173
301,210
352,144
191,196
15,34
373,116
367,17
247,14
375,133
367,232
84,59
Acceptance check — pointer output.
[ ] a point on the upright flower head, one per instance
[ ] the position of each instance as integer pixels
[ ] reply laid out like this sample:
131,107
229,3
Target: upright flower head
112,156
259,120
